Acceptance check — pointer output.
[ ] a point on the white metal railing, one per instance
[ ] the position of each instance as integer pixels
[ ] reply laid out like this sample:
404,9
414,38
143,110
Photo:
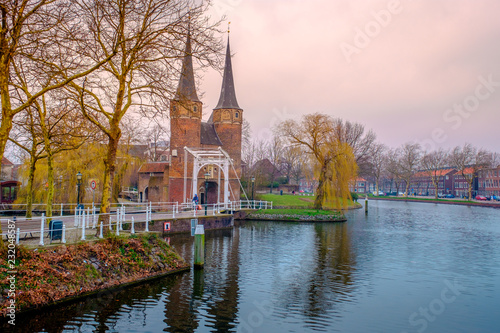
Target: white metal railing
133,214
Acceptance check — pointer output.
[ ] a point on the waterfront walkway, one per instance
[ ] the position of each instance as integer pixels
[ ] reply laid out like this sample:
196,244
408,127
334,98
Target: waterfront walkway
85,224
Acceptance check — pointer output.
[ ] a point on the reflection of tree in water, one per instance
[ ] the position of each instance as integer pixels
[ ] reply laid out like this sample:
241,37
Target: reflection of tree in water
213,290
101,311
321,283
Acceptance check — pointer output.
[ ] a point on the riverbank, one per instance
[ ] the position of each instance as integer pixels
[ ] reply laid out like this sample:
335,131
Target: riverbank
439,201
296,215
56,274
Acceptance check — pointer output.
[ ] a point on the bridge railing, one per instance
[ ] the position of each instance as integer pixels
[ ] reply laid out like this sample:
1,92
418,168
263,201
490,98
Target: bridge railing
87,223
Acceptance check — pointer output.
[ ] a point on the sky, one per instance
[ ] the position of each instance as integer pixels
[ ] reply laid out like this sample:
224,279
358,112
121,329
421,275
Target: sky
425,71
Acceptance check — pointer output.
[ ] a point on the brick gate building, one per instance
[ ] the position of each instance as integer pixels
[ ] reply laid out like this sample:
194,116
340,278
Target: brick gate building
221,133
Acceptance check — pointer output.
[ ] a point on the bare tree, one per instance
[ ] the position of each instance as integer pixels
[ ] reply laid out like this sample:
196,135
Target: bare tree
27,137
144,73
433,164
44,38
393,168
409,162
378,161
360,141
335,164
468,160
157,138
275,150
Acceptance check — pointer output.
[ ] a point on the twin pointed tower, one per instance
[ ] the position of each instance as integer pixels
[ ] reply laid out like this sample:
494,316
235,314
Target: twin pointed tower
223,129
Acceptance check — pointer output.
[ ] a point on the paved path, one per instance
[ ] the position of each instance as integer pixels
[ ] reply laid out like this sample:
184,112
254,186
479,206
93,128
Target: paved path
30,228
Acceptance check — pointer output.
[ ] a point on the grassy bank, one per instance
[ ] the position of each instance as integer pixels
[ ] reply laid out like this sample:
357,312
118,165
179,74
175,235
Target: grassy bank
51,274
441,201
297,201
296,215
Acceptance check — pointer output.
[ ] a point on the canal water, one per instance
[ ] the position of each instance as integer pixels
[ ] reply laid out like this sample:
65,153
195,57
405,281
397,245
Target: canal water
405,267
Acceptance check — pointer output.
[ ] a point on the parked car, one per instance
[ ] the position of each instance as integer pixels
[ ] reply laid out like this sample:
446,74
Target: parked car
450,196
441,195
496,197
481,197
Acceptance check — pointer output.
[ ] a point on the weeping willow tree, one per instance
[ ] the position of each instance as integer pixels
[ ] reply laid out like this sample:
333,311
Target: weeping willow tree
333,160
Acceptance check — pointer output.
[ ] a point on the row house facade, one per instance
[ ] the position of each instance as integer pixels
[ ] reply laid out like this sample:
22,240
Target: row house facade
461,184
450,181
489,182
360,185
421,183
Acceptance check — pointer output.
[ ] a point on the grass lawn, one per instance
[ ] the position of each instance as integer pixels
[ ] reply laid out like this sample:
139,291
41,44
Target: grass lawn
288,200
294,201
427,199
306,212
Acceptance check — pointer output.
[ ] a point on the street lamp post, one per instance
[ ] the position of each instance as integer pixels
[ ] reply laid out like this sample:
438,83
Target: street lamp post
253,183
207,176
78,183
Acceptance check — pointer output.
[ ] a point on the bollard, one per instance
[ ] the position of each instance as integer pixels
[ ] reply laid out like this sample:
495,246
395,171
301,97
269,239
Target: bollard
41,229
132,229
146,228
76,221
94,220
63,238
100,231
82,218
366,205
150,210
62,209
83,231
118,227
199,246
88,217
122,219
173,212
17,236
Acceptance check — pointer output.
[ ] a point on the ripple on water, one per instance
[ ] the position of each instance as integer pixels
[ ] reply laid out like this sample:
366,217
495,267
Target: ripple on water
367,275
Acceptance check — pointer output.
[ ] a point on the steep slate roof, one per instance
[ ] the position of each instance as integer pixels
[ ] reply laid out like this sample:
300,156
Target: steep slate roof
440,172
227,99
187,89
153,167
208,135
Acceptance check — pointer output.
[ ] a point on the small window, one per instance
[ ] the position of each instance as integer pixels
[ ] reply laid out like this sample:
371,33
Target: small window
174,108
195,109
237,114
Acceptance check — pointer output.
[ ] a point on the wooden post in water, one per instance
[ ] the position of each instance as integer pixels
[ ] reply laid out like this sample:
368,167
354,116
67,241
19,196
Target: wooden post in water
366,205
199,246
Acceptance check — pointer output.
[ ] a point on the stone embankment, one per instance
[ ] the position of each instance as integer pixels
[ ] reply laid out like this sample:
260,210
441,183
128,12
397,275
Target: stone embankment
297,217
50,275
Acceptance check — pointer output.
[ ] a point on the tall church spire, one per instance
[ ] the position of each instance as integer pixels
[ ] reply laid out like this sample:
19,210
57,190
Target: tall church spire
227,99
187,88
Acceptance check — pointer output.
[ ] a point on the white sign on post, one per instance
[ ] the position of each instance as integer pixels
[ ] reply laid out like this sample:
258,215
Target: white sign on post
93,186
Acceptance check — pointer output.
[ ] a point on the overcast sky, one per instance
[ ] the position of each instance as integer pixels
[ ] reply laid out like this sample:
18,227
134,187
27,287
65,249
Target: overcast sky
411,70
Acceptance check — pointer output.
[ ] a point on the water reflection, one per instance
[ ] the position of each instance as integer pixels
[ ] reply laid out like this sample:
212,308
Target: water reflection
367,275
